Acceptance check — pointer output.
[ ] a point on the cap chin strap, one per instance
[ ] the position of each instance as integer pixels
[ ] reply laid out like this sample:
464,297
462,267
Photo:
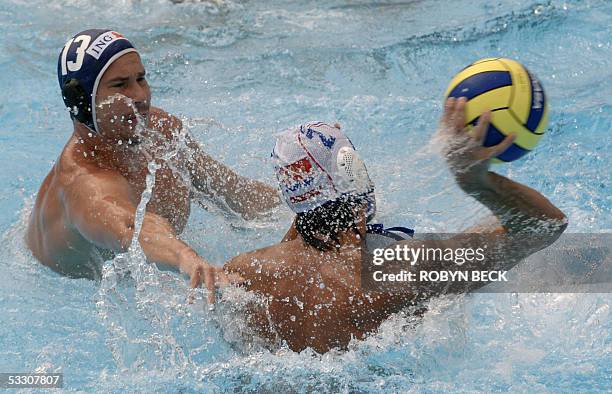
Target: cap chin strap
398,233
97,82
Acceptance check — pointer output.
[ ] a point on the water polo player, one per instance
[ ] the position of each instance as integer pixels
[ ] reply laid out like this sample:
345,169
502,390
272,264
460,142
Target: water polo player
310,280
85,208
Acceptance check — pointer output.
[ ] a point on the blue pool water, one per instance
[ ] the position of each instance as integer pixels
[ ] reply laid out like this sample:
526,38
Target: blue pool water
238,71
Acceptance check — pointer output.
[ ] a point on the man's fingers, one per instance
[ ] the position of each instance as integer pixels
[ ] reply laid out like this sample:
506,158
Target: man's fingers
459,114
501,147
195,279
449,105
221,278
209,281
206,274
480,131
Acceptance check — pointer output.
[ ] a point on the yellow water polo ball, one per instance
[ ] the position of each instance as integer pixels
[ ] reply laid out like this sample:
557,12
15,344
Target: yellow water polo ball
515,98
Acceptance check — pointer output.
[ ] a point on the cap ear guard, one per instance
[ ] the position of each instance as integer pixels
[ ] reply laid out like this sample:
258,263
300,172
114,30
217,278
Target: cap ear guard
78,101
354,175
353,171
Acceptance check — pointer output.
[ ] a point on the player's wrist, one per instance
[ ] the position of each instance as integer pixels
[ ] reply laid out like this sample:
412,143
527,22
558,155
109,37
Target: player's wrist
474,181
187,259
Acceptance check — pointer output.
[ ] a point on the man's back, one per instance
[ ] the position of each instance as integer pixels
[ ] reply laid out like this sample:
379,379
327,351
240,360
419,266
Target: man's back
312,280
314,296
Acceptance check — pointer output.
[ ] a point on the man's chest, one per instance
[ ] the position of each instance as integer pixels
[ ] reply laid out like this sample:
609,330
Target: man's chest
170,194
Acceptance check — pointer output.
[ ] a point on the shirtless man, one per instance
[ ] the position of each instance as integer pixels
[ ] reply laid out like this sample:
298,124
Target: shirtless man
86,205
311,280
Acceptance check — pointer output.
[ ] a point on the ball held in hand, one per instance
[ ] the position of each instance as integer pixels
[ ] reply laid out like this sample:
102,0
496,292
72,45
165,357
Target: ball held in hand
515,98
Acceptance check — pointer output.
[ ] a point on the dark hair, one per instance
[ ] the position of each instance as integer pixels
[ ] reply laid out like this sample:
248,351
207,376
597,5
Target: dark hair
321,226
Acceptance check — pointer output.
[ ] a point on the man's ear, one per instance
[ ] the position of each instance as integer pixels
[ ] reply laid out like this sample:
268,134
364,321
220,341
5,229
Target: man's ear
337,125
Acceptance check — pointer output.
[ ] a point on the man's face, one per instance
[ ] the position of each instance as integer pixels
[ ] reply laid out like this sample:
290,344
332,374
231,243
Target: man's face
122,90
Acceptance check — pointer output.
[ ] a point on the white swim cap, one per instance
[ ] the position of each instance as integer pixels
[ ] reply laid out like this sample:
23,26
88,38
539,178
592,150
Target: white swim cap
316,163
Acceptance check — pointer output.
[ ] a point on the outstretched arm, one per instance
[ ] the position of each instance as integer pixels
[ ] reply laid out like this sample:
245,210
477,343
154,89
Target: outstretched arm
216,181
245,196
100,209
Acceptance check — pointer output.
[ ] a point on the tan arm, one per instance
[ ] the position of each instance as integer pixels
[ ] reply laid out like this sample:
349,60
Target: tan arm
242,195
103,213
216,181
524,220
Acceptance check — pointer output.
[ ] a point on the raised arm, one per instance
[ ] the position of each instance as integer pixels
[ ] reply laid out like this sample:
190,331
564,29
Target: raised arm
517,208
523,221
103,213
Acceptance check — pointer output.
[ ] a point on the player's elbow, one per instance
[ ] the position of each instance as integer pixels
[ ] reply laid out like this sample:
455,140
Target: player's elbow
123,235
558,222
553,227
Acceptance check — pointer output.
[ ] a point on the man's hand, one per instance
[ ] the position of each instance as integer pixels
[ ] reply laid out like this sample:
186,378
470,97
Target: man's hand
199,271
518,208
467,158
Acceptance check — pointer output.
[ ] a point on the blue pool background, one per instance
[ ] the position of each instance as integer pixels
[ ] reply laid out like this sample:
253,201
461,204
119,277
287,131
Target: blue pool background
239,71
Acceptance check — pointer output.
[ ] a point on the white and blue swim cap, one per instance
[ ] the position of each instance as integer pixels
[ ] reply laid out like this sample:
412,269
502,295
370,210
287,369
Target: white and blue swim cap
80,66
316,163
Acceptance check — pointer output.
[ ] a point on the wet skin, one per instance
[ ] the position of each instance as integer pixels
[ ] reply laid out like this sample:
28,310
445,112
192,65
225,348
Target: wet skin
315,300
86,204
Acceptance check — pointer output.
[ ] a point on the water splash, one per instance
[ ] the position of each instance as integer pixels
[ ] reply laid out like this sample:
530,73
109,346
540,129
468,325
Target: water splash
298,76
131,285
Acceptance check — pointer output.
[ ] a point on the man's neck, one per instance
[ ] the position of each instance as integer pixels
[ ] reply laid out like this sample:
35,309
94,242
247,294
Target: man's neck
350,239
353,237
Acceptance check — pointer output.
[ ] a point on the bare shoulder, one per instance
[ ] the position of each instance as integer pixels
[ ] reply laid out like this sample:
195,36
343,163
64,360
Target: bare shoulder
263,262
274,271
95,184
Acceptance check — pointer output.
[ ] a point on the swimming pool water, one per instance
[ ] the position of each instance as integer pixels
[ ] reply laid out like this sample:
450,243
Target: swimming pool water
237,72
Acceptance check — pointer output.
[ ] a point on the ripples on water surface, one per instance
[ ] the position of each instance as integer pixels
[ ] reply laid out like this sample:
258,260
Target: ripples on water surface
239,71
